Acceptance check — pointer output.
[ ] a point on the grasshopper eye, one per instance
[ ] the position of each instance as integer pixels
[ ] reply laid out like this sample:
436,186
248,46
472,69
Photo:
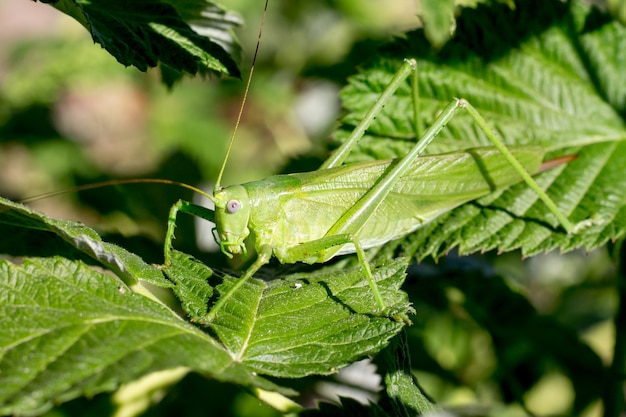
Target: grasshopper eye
233,206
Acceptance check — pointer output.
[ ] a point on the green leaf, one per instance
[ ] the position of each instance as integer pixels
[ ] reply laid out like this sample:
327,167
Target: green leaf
191,284
302,324
35,229
546,73
190,36
438,18
76,332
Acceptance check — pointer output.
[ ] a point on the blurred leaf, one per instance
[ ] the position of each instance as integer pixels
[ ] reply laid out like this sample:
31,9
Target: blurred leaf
190,36
526,345
438,18
76,332
539,79
618,9
348,407
526,342
403,393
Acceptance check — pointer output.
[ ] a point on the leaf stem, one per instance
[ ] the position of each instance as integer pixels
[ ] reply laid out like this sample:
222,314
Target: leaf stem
403,394
613,397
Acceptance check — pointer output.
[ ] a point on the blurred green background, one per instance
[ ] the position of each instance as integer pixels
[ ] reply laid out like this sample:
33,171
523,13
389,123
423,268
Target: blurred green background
71,115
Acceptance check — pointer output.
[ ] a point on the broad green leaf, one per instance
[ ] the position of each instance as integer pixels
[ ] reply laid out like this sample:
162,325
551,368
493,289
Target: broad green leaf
191,284
75,239
190,36
546,73
69,331
302,324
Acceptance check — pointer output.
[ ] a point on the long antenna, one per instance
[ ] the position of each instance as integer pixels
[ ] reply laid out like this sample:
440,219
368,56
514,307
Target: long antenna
116,182
218,183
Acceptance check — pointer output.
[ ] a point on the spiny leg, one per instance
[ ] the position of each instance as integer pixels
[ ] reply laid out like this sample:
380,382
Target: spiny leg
360,253
528,179
263,257
319,246
340,154
183,207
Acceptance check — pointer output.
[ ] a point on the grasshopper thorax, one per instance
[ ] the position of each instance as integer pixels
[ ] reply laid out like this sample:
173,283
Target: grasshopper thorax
232,212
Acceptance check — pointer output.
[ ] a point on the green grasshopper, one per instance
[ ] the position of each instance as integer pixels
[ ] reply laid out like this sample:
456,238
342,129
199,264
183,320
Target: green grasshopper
341,209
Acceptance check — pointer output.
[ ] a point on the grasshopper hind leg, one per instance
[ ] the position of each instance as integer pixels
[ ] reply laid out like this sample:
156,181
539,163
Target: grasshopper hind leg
329,245
386,311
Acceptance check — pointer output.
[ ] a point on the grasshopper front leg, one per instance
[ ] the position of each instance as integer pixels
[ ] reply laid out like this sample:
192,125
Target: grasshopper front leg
184,207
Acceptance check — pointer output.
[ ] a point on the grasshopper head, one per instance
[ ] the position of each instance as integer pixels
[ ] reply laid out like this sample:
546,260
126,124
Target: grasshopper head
232,211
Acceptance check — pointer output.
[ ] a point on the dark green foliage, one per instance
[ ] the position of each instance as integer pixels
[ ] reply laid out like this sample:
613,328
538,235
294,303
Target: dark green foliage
190,36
